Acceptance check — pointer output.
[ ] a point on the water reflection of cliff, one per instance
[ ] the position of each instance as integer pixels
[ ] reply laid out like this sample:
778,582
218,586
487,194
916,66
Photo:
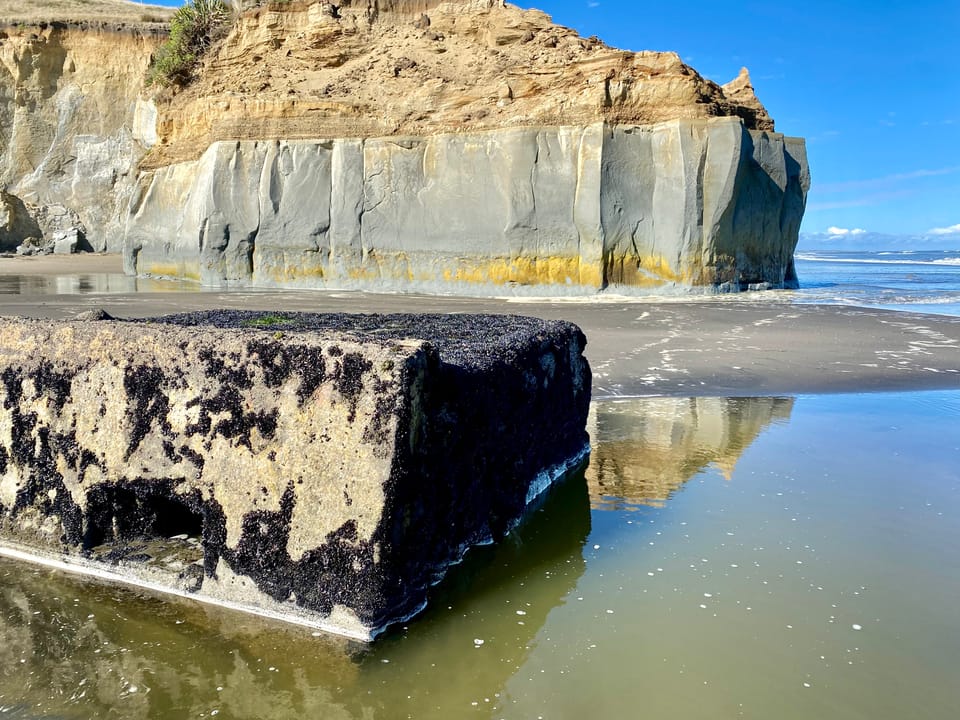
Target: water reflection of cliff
100,283
644,449
73,648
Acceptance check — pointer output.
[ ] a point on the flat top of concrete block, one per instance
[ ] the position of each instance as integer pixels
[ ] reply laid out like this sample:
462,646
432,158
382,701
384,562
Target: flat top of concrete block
469,341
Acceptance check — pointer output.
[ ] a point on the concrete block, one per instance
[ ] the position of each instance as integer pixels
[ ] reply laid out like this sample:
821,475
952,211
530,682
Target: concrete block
321,469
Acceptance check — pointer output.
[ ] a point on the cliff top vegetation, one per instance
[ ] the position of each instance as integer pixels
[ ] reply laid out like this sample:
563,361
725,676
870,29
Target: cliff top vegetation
375,68
70,11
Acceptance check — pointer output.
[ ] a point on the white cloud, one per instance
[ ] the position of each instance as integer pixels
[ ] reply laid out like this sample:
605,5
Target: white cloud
952,230
593,4
844,232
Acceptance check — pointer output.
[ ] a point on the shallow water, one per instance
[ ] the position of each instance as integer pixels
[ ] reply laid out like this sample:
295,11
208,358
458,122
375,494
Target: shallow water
87,283
759,557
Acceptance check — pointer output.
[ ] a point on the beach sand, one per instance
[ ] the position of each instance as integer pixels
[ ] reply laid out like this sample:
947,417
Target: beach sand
742,345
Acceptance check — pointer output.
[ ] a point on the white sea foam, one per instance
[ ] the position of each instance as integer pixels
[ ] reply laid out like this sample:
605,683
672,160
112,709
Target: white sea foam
811,257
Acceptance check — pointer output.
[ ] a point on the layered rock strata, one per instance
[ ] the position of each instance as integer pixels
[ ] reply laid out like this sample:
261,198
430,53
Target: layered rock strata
70,117
676,204
466,146
320,469
302,70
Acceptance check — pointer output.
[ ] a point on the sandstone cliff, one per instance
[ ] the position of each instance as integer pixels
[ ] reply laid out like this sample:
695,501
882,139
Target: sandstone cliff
374,68
462,146
563,209
70,78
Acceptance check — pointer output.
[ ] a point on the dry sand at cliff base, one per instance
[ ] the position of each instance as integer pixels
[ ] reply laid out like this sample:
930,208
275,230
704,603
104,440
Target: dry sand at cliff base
119,11
61,264
744,345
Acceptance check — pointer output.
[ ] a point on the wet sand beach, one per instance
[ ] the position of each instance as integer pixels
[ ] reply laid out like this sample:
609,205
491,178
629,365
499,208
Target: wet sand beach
738,345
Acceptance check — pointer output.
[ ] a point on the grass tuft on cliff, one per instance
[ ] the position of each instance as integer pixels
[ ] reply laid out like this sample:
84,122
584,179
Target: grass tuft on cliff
193,29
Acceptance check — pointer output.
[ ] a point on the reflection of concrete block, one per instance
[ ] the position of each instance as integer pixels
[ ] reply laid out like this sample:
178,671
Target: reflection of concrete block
322,469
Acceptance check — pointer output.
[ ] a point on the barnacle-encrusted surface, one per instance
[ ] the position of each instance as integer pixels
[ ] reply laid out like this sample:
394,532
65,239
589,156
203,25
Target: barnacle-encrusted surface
322,468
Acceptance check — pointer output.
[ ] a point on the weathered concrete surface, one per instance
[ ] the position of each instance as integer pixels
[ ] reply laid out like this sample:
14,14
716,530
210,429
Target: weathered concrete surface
207,658
565,209
325,469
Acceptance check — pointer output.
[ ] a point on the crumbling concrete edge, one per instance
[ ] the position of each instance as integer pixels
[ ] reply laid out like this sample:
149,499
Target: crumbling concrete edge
545,479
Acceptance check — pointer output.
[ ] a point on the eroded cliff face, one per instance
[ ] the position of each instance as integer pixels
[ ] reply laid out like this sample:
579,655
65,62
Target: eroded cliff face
68,100
463,146
533,210
467,146
373,68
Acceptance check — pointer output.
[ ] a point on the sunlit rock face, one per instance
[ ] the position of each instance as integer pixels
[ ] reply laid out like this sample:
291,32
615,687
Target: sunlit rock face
323,469
565,209
69,120
469,147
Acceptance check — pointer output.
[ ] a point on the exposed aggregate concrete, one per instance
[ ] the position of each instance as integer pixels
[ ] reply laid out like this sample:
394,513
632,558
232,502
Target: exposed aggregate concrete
332,465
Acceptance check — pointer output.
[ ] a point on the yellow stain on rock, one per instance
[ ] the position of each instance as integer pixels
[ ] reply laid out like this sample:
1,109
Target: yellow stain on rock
183,270
628,270
550,270
281,273
648,271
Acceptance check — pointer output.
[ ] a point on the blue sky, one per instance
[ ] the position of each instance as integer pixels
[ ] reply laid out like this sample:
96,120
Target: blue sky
874,87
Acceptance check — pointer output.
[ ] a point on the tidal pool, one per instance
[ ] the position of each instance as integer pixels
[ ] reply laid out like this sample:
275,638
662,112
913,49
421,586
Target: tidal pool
722,558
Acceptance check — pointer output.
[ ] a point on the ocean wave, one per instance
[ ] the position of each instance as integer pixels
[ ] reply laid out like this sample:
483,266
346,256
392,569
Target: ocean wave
950,261
934,300
943,305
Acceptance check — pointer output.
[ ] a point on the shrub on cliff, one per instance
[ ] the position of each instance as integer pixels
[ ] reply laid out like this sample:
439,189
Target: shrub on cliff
192,29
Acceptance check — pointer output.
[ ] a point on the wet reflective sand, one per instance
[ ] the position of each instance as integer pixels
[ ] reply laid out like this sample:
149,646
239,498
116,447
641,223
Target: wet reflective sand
106,283
746,557
726,345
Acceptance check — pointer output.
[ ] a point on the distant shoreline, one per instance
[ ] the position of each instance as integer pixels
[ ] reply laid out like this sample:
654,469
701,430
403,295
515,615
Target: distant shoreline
740,345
